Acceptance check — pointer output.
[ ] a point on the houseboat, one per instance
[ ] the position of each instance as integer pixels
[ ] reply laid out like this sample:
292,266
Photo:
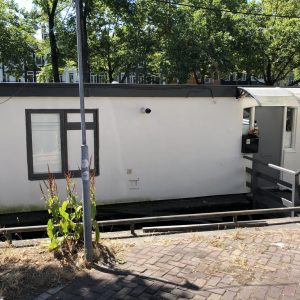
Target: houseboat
146,142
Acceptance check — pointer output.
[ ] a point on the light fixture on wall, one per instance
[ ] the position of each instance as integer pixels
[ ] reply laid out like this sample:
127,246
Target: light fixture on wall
146,110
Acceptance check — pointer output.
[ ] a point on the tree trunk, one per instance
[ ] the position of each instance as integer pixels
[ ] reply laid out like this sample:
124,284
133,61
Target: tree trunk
3,73
268,75
53,44
110,72
196,77
125,75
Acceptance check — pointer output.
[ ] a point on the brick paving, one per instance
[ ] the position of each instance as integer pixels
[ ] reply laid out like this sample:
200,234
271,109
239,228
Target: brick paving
257,263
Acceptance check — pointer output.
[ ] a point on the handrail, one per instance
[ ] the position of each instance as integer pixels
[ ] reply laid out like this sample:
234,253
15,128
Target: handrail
255,160
9,230
272,165
295,189
282,169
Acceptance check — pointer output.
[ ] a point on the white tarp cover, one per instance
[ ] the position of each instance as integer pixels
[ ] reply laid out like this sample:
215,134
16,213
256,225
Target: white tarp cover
274,96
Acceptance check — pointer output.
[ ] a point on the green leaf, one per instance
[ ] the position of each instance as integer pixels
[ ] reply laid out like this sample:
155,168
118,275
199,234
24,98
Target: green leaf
62,210
121,261
93,210
97,231
54,244
64,226
50,229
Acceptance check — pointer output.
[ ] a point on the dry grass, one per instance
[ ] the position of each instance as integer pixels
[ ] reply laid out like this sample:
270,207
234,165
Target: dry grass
28,271
217,242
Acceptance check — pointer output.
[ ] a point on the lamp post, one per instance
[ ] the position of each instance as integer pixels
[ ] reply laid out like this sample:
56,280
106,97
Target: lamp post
85,175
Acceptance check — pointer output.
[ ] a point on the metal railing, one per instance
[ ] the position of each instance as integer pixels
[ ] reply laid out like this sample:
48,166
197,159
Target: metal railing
184,217
292,205
255,188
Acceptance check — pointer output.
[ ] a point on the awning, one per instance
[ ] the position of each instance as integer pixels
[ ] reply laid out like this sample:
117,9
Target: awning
273,96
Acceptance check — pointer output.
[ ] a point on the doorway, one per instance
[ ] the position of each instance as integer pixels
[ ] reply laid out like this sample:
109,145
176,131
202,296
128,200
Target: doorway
270,124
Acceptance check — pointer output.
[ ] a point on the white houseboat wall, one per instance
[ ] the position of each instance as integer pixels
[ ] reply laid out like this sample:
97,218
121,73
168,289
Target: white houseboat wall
147,142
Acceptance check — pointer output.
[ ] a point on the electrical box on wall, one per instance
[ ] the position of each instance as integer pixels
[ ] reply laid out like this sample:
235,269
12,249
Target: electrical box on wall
250,144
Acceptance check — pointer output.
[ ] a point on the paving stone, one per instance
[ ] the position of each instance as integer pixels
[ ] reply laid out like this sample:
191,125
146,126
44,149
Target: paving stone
181,293
123,292
43,296
213,281
154,288
117,286
165,259
107,295
174,271
138,290
55,289
146,296
228,295
165,295
173,279
274,292
244,293
160,273
200,282
86,293
198,297
65,296
167,287
260,292
152,260
196,270
289,290
214,297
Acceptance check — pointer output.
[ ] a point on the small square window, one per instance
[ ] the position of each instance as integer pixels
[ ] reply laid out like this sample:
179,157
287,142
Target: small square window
54,139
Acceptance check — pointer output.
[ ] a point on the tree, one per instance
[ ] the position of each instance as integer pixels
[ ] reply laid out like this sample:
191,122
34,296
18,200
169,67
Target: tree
269,47
120,39
17,45
48,10
194,40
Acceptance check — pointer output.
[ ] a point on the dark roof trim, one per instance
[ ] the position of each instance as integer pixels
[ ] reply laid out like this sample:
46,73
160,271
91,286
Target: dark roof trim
114,90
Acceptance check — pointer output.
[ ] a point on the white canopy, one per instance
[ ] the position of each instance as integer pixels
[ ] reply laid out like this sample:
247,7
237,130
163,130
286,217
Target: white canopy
274,96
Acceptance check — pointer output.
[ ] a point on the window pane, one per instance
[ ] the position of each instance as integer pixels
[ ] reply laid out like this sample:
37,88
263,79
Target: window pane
46,144
289,119
74,148
72,117
246,120
289,125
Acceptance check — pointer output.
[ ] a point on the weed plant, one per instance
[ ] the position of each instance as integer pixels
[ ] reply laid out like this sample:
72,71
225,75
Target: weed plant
64,227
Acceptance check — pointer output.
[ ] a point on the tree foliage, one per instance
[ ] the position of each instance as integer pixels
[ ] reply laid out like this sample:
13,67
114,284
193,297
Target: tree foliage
269,47
173,39
17,45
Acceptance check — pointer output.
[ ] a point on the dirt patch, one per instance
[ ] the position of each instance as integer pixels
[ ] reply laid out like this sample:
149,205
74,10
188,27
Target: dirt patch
30,270
25,271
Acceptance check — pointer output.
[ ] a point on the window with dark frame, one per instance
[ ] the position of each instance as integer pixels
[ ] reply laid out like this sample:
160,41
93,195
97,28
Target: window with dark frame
54,140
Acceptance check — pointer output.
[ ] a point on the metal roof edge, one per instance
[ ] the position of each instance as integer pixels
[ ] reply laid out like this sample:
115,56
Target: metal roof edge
115,90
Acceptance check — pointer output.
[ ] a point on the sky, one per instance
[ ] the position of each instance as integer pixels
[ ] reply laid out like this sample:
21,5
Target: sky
24,3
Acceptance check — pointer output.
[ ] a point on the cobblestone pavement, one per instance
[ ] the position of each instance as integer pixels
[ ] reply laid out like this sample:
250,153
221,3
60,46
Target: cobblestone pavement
257,263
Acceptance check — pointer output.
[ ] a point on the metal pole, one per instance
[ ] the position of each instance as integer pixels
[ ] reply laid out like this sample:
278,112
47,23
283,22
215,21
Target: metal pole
295,193
87,225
